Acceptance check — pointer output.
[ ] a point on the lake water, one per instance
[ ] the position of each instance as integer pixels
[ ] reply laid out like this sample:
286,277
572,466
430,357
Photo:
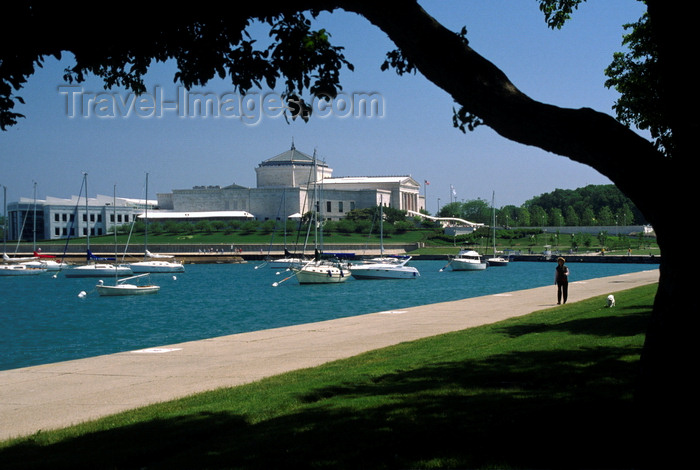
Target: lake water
43,319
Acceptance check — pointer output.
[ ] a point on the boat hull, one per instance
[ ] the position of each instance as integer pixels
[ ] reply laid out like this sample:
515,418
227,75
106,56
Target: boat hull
156,267
497,262
384,272
98,270
19,270
126,289
321,274
285,263
459,265
48,265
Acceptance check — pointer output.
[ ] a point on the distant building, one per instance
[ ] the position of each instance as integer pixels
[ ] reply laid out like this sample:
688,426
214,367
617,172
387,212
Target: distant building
286,185
285,189
56,218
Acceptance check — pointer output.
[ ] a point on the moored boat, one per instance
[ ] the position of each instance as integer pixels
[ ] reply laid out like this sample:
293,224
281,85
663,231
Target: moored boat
386,268
20,270
121,287
467,260
321,272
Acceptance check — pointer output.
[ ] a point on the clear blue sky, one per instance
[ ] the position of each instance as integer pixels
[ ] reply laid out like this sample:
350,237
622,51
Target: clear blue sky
414,137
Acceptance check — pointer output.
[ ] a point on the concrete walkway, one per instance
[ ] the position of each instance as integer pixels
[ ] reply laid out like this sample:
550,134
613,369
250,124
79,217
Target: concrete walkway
58,395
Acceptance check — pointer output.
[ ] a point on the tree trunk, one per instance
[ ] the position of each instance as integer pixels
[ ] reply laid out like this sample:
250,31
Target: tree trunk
597,140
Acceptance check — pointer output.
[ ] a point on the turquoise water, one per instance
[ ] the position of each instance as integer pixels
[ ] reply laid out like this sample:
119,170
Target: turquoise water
43,320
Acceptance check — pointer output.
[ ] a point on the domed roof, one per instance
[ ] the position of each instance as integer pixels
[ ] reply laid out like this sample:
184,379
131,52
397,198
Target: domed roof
292,157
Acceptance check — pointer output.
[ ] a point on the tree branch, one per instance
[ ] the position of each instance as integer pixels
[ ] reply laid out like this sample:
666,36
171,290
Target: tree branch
583,135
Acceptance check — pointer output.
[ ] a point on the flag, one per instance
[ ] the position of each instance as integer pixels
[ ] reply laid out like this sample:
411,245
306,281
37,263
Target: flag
427,183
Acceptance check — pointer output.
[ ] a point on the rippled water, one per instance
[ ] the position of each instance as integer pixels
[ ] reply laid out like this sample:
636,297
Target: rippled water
43,320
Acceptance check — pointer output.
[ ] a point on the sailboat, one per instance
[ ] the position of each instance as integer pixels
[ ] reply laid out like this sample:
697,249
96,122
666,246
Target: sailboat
46,261
154,263
40,260
288,260
120,286
94,268
319,270
17,269
5,257
495,260
384,267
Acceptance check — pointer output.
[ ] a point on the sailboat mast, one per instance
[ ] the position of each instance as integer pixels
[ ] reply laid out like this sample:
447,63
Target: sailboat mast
114,227
87,215
4,219
34,226
381,226
145,240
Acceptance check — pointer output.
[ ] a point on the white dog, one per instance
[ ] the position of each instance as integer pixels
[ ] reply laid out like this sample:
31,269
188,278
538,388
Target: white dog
611,300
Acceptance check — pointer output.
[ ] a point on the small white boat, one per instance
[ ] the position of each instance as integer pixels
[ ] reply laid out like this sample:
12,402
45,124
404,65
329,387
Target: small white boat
467,260
48,264
156,266
98,270
20,270
385,268
287,262
321,272
497,261
121,287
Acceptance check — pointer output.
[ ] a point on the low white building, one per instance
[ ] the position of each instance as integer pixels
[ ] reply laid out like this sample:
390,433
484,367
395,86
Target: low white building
56,218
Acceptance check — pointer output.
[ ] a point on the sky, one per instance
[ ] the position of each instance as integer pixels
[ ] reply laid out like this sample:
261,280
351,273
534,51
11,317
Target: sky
64,135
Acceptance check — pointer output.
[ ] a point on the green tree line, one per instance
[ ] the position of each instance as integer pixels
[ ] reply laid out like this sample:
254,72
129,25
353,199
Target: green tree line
601,205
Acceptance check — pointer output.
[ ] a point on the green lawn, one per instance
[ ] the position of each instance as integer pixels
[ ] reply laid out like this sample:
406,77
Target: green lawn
432,247
553,389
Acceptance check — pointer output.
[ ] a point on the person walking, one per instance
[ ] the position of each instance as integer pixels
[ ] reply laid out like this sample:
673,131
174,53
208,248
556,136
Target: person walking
561,279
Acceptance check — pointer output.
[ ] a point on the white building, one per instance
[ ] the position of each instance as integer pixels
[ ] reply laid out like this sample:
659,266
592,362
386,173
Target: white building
285,189
55,218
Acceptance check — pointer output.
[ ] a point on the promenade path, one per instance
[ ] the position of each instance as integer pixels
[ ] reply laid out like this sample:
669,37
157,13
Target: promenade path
57,395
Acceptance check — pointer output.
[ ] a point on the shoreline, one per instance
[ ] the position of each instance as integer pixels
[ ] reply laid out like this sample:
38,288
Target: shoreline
246,254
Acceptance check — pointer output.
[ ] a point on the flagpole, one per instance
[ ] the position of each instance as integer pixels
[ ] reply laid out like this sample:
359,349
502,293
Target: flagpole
425,195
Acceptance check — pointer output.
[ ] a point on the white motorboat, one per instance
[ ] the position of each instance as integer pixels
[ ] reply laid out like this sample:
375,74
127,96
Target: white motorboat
386,268
121,287
497,261
467,260
20,270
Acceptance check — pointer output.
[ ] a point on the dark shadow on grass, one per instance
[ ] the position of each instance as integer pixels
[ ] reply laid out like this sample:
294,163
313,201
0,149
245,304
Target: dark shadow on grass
530,410
623,324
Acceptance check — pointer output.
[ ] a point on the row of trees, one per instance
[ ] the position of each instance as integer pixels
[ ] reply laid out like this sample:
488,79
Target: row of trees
601,205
